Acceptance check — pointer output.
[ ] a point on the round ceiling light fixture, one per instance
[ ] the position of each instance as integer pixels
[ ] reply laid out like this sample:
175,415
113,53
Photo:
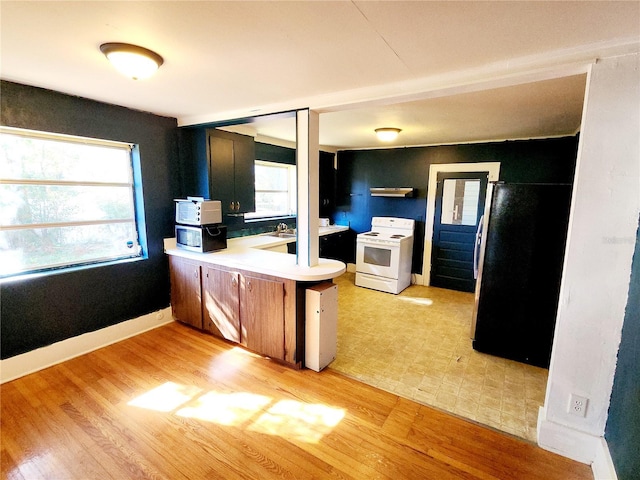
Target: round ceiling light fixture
387,134
133,61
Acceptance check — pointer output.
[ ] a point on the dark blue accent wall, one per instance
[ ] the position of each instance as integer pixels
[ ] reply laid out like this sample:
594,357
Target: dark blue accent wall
623,425
525,161
41,310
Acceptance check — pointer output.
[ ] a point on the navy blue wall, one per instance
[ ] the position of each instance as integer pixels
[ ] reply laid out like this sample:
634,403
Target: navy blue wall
41,310
526,161
623,425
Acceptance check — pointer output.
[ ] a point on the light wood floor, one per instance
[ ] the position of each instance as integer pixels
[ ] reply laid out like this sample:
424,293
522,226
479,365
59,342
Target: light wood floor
174,403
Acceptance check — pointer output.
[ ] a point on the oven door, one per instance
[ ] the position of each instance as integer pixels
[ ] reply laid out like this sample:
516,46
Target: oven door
377,259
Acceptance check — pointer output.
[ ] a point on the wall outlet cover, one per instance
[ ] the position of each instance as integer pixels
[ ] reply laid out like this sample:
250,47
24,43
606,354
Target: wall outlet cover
578,405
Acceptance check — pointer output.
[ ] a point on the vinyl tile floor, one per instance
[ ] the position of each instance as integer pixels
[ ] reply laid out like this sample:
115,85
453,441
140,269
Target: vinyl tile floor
416,344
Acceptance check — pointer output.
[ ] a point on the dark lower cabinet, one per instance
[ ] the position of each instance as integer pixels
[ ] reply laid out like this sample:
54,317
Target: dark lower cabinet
335,246
339,246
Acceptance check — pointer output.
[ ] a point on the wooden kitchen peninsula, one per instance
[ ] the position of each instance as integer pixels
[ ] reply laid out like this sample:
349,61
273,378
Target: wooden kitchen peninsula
248,293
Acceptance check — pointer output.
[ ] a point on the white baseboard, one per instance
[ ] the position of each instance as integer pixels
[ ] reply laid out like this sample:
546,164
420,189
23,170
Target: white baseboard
351,267
29,362
566,441
602,466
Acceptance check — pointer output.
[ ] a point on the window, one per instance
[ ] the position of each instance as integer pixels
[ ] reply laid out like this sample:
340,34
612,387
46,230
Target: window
460,199
64,201
275,190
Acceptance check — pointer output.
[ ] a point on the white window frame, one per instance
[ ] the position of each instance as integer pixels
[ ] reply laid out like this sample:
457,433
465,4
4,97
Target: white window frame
291,191
136,248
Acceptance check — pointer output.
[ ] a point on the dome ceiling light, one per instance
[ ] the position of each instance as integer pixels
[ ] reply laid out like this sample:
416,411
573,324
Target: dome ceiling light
133,61
387,134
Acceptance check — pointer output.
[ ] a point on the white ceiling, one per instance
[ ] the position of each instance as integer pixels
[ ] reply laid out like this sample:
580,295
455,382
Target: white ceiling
443,72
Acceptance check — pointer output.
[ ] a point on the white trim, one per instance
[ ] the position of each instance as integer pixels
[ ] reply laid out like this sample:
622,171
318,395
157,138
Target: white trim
25,132
41,358
469,142
600,241
566,441
602,466
307,160
527,69
494,174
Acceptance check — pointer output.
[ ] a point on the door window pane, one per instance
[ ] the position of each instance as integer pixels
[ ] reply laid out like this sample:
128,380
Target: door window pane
460,198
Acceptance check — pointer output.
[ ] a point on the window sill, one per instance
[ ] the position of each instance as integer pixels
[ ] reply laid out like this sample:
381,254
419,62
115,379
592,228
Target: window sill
269,218
57,271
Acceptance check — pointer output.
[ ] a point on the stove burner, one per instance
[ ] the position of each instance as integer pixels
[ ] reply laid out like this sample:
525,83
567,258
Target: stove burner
372,234
397,235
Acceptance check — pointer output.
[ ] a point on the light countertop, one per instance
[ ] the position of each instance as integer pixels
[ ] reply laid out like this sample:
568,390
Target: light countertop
250,254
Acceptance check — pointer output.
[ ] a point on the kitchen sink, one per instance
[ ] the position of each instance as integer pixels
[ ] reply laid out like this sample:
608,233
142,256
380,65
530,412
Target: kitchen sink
282,234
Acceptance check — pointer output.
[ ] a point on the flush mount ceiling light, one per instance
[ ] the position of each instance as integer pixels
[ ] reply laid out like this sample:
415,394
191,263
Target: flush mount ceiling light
134,61
387,134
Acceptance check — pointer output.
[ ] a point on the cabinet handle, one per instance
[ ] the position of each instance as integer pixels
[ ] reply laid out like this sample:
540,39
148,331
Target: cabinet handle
249,286
237,206
195,274
234,282
231,206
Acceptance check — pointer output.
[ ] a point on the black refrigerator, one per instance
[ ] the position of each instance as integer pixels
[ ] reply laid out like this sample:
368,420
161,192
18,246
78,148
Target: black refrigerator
519,258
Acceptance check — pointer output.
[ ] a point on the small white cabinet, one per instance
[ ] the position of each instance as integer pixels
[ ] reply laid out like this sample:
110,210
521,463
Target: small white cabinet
321,318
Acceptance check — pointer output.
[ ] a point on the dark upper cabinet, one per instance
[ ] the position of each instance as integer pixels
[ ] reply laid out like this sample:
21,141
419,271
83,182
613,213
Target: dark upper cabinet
231,159
327,187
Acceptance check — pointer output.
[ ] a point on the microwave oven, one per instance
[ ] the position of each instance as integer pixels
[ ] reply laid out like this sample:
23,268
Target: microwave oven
202,238
198,211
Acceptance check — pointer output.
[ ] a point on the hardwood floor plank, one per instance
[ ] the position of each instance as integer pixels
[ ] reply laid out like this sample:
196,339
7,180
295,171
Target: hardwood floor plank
175,403
8,466
399,422
33,460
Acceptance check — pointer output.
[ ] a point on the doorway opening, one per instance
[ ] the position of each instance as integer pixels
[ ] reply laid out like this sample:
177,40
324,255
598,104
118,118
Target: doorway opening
417,344
459,210
493,171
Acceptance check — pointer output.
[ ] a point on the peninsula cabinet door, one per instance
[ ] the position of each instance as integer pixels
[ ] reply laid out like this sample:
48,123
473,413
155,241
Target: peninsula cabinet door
221,303
186,306
262,313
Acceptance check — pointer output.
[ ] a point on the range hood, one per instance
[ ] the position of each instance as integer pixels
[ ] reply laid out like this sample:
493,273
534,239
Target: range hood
392,192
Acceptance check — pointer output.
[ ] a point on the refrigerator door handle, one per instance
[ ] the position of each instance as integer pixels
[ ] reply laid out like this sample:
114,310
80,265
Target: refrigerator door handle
476,248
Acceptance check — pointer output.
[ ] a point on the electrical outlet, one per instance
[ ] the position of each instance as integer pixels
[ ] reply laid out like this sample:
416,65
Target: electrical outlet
578,405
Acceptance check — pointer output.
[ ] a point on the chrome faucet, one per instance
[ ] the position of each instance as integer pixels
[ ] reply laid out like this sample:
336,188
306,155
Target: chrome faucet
282,227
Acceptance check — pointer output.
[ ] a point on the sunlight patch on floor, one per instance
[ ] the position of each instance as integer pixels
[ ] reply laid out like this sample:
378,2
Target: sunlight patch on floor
230,409
165,398
291,419
298,421
417,300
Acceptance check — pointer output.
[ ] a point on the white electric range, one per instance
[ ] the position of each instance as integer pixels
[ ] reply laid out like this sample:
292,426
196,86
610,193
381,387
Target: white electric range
384,254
